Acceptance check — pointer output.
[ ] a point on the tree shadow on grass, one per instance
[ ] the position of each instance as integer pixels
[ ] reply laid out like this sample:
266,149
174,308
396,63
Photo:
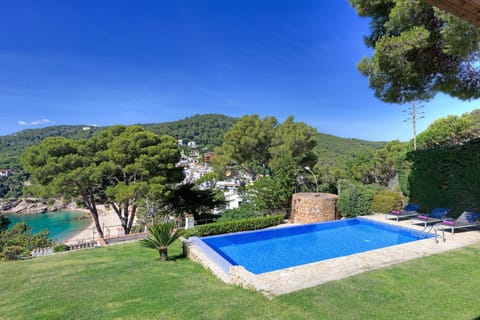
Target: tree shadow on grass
174,258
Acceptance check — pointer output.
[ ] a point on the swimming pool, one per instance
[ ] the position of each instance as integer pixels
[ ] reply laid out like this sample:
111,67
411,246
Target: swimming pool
274,249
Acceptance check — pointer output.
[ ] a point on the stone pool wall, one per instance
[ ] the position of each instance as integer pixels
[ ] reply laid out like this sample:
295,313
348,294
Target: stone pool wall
236,275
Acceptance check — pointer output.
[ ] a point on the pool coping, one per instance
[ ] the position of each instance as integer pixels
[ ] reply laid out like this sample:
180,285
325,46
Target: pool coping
309,275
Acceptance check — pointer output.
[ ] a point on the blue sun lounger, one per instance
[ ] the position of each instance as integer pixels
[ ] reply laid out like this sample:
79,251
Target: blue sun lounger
437,215
408,211
465,220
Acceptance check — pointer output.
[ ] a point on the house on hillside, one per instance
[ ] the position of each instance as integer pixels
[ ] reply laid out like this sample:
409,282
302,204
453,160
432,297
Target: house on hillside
5,172
207,158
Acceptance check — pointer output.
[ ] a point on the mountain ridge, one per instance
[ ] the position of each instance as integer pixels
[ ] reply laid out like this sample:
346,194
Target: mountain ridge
206,130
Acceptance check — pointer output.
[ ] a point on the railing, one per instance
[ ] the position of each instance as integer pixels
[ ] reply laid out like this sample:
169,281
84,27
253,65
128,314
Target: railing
111,234
40,252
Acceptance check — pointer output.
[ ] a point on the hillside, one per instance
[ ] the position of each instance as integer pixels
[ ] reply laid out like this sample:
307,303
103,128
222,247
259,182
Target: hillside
335,150
11,146
206,130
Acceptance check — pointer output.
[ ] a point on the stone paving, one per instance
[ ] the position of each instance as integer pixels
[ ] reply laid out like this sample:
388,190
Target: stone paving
313,274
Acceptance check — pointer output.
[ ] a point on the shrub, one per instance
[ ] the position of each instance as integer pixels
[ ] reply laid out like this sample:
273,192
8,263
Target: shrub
20,235
356,200
234,226
12,252
245,211
4,222
138,228
386,201
205,218
61,248
161,236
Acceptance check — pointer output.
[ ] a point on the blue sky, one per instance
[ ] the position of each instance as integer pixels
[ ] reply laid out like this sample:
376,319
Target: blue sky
109,62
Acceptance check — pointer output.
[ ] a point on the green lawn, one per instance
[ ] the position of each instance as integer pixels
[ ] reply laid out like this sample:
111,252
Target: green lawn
129,282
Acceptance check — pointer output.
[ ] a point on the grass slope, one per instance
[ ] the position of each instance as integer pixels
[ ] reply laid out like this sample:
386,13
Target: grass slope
129,282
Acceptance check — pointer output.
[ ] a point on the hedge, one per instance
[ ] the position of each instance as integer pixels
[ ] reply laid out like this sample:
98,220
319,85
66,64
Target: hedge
356,199
234,226
385,201
446,177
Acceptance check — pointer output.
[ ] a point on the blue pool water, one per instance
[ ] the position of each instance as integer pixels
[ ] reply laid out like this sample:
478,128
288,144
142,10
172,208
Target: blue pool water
61,225
275,249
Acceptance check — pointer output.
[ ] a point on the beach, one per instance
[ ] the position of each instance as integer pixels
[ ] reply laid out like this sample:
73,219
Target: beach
108,220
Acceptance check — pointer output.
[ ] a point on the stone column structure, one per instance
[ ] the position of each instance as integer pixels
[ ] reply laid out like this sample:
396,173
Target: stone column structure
309,207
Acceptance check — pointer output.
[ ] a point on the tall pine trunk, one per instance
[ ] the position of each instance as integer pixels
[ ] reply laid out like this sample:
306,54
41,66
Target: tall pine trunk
90,203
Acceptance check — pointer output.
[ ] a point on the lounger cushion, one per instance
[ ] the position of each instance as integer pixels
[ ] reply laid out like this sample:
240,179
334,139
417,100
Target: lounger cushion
472,217
439,213
411,207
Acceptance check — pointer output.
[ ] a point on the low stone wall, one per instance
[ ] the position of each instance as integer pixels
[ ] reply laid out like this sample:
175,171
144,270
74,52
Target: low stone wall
194,253
236,275
310,207
242,277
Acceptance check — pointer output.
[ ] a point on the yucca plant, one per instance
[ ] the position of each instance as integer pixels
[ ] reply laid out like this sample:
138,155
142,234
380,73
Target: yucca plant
161,236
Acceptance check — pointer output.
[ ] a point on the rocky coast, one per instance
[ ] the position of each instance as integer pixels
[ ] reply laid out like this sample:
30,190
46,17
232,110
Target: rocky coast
34,205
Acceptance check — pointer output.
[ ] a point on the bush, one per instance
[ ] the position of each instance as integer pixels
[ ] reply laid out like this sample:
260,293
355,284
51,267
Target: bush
205,218
20,235
245,211
61,248
356,200
386,201
138,228
12,252
234,226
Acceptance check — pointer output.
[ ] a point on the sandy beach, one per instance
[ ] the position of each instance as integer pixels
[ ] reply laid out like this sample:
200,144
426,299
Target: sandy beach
108,219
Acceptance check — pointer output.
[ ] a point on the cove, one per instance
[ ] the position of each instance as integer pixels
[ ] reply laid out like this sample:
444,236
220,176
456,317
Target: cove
61,225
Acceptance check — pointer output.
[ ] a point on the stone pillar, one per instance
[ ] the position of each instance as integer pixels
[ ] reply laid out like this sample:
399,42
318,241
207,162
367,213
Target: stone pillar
309,207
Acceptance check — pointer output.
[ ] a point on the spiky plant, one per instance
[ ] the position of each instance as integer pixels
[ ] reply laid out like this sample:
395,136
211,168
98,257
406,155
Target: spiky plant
161,236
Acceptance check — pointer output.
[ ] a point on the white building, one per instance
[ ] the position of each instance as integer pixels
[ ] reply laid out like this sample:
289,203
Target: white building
5,172
232,199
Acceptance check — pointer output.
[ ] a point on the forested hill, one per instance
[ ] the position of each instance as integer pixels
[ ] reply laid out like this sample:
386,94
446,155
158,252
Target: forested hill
11,146
336,150
206,130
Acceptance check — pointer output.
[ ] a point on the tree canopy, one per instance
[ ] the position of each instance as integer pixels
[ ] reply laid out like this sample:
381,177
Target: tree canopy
262,146
119,165
451,130
273,152
419,50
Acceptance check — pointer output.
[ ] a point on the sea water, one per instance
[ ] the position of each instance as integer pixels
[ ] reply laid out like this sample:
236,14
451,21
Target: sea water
61,225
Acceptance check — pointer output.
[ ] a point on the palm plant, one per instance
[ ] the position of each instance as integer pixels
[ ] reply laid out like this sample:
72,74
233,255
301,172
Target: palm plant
161,236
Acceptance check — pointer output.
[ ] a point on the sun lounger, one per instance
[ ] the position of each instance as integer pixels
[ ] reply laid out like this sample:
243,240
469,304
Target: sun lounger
437,215
465,220
408,211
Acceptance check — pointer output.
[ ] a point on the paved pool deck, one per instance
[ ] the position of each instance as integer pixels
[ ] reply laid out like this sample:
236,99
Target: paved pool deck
313,274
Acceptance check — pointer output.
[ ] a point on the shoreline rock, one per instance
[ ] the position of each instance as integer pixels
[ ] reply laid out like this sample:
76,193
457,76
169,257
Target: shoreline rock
33,206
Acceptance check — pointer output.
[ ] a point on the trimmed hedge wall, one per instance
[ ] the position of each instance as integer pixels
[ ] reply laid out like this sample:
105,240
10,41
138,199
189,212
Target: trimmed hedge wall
234,226
446,177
